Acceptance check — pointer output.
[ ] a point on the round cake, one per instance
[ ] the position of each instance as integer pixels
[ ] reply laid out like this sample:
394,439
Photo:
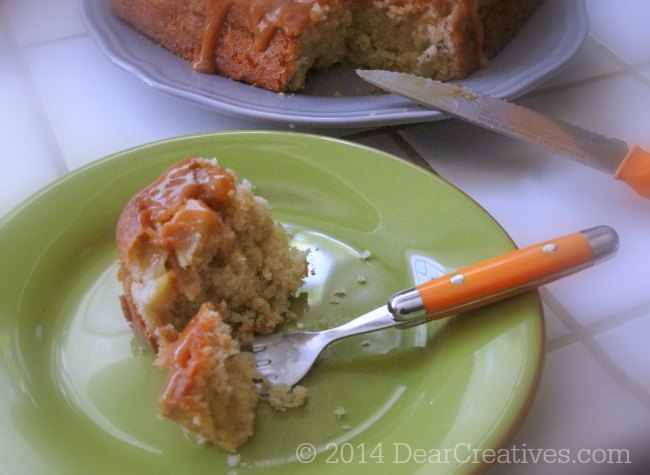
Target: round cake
274,43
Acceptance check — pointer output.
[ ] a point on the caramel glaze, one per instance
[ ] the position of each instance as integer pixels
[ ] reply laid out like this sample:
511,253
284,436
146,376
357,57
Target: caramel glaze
265,18
177,358
292,17
186,195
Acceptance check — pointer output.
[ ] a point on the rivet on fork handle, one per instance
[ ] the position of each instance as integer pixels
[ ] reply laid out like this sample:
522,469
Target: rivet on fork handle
503,276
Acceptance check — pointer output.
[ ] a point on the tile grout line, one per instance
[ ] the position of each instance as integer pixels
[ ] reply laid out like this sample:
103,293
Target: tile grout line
54,41
613,56
634,70
596,328
573,84
411,151
637,74
616,321
560,342
595,349
599,327
35,102
624,68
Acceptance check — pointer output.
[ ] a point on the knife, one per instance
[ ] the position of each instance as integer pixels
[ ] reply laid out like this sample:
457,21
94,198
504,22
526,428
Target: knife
609,155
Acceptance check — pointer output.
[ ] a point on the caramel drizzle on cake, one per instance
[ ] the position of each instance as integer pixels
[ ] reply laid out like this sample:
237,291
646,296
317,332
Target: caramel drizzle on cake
184,197
265,18
189,180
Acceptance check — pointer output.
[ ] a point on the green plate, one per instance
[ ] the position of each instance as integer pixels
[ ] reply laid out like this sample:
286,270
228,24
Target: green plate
78,394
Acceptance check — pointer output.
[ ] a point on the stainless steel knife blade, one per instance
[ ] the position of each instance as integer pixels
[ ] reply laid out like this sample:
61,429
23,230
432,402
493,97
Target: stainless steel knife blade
506,118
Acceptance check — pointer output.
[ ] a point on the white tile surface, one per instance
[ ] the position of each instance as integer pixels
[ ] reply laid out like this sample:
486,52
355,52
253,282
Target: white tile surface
591,61
646,73
579,406
26,158
628,346
615,107
97,108
35,21
536,196
25,155
622,26
553,325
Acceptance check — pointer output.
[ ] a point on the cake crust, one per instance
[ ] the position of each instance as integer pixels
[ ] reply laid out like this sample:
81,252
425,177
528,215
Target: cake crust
179,27
441,39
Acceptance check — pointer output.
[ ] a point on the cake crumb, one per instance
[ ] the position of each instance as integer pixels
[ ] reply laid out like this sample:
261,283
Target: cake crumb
459,91
340,292
365,255
335,301
283,396
365,343
234,460
361,279
339,412
346,427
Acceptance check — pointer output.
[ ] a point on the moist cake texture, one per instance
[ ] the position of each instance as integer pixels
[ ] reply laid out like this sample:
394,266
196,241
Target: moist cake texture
194,236
204,267
274,43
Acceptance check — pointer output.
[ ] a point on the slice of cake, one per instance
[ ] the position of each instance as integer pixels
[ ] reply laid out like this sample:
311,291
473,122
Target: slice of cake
204,267
194,236
210,386
273,43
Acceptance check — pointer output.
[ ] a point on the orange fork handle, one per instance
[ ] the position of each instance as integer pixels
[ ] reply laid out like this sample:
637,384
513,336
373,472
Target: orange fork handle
635,171
503,276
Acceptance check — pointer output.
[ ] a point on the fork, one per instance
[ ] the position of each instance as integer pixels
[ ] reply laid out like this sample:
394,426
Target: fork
285,358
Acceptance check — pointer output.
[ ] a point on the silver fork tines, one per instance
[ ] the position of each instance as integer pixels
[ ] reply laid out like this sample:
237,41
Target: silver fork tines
285,358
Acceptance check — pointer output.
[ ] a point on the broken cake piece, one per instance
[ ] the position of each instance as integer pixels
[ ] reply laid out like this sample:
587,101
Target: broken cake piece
210,387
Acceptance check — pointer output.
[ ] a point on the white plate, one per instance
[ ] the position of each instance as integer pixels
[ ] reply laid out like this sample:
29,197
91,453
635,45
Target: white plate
337,97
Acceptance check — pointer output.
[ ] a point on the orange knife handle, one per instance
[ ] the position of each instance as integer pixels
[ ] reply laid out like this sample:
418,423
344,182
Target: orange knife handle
635,171
503,276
